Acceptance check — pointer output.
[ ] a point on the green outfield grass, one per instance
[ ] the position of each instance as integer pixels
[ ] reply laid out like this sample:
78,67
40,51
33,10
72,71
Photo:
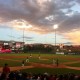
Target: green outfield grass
45,59
11,63
75,65
48,57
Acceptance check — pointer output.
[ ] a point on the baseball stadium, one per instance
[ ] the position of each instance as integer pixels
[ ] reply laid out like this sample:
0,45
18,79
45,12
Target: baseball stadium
39,39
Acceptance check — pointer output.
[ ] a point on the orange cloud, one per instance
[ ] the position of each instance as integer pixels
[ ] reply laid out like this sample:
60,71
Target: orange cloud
74,36
20,24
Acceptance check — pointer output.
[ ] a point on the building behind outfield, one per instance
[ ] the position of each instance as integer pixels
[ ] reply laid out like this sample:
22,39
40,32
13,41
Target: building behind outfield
10,44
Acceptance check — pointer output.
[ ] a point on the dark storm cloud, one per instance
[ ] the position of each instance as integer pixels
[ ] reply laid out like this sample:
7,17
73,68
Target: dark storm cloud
35,11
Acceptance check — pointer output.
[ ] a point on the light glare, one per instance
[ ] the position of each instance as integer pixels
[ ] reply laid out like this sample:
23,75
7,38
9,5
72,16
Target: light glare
55,26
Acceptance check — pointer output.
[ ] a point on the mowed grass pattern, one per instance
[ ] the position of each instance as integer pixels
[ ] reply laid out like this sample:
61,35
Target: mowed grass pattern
74,65
11,63
45,58
16,60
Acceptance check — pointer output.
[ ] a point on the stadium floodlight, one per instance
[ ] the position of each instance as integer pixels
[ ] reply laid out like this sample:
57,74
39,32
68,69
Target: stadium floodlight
55,27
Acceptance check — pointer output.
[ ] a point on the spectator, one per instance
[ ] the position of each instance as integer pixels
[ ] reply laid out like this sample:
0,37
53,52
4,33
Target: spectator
12,76
6,69
3,76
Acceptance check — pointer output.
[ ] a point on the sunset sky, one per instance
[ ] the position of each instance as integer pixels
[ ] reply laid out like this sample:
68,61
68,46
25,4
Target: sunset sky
38,18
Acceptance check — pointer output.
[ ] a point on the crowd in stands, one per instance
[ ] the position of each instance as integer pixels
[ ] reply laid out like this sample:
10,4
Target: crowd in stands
6,74
17,75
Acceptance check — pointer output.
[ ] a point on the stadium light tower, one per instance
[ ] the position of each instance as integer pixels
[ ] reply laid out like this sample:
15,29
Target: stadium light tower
23,34
55,27
24,27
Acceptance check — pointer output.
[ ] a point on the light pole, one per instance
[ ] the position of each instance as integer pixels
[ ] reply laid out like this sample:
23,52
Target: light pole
55,27
24,27
23,36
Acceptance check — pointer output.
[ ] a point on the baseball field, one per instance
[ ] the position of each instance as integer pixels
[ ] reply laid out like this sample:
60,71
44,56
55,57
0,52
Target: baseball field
41,62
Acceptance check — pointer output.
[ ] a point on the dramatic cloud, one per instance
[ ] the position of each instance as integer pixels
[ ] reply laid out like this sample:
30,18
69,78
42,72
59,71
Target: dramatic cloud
41,14
70,23
35,11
